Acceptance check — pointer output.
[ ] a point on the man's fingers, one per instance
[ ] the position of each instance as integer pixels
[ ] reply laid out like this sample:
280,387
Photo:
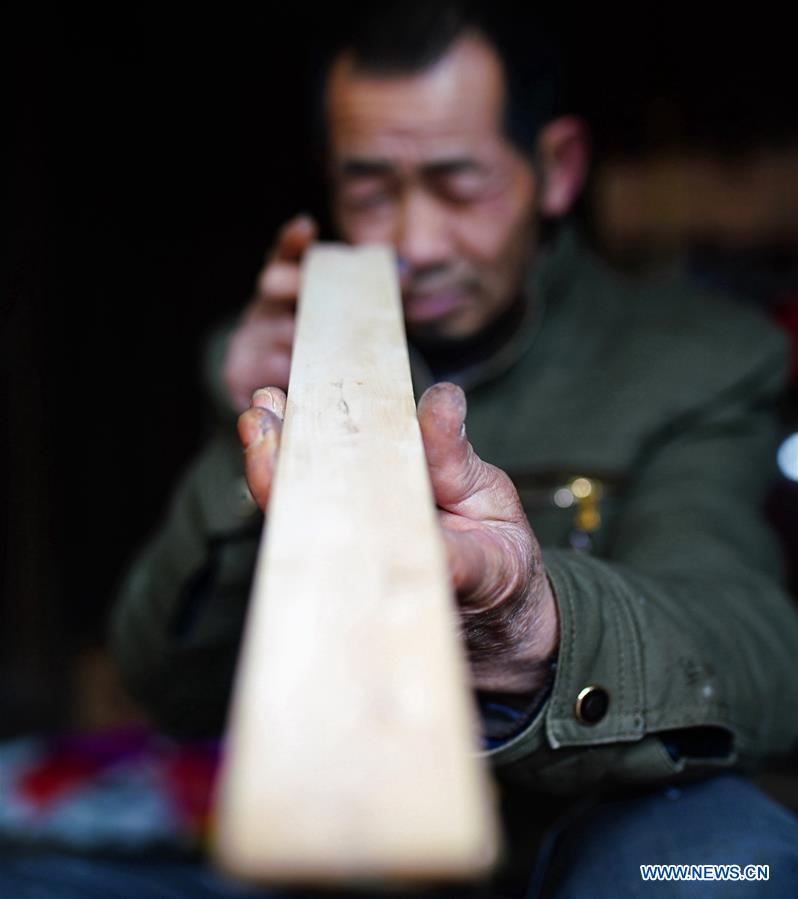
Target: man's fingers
256,358
273,325
441,416
278,282
484,565
461,481
458,475
295,237
259,429
271,398
277,371
466,556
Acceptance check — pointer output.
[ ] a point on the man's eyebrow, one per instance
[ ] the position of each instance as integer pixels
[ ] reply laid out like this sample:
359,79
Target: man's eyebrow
451,166
354,167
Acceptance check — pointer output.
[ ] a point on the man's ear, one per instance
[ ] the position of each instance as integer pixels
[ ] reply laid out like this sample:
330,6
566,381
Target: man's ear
563,159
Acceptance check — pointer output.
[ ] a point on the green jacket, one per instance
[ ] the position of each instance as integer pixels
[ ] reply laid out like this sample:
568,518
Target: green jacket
668,587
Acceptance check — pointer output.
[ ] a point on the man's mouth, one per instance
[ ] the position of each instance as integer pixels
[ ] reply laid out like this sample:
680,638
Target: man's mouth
421,307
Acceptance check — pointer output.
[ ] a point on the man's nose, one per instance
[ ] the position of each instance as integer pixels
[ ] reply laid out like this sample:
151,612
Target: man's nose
422,234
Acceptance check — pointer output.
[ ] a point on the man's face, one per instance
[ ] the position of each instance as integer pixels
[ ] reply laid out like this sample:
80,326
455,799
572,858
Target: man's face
420,162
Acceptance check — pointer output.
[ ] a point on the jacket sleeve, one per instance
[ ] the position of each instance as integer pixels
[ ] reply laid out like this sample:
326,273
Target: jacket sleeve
176,620
684,625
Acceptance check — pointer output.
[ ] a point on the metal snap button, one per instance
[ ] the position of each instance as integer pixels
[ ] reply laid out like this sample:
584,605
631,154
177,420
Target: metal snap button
591,704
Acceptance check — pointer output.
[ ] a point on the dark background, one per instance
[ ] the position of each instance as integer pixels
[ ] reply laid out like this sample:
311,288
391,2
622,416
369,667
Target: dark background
153,153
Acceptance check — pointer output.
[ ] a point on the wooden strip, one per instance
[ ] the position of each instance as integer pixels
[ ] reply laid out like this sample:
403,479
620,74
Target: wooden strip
352,750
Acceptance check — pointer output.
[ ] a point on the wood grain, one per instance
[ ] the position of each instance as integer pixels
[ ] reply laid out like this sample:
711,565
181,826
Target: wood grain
352,749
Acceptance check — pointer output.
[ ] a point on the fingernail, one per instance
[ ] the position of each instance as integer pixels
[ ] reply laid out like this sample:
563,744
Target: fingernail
263,393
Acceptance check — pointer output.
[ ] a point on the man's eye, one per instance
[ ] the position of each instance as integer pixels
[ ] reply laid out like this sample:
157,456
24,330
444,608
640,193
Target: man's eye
364,194
462,186
363,201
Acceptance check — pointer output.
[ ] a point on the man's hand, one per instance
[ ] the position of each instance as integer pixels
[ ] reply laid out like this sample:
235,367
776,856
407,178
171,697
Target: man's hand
507,610
259,350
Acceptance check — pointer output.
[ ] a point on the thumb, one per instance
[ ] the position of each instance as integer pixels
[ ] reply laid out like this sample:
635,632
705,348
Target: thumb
259,429
457,473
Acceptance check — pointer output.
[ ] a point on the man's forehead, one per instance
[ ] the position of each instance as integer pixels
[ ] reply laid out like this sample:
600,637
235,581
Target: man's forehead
452,106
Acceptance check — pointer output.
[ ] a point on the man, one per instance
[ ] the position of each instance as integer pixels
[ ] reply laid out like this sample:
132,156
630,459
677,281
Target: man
618,592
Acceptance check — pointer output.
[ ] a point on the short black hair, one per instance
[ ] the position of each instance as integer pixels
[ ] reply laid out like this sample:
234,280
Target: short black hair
402,37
